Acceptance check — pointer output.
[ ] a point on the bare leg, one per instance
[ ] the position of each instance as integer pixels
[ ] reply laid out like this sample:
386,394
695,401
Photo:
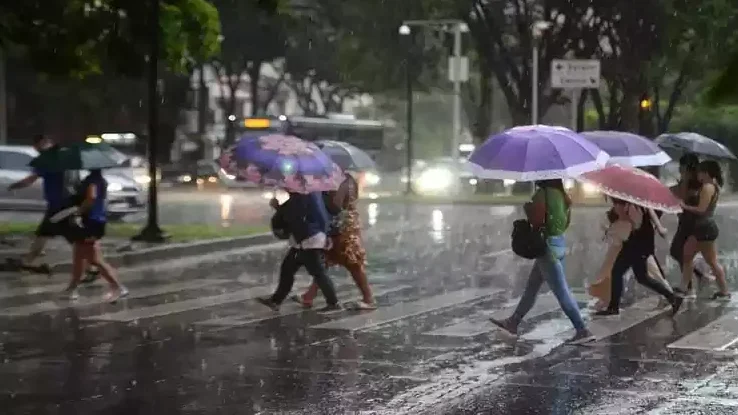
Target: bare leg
358,273
80,254
709,252
37,246
690,250
106,271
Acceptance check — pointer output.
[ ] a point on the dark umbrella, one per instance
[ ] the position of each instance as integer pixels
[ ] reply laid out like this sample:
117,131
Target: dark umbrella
628,149
78,156
694,143
347,156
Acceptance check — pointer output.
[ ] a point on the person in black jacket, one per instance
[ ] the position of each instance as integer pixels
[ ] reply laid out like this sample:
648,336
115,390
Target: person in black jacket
305,219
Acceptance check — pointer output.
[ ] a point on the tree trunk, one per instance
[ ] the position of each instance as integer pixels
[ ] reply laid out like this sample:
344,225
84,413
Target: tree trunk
580,109
230,109
483,120
254,73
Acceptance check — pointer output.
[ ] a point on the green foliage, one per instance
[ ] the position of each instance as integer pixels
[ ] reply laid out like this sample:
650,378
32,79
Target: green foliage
83,37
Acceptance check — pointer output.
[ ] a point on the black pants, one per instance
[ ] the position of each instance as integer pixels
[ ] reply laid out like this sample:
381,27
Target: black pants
639,264
676,250
314,262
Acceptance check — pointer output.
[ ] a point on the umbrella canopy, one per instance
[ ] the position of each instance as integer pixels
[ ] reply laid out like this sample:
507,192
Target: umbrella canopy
282,161
633,185
695,143
536,152
78,156
628,149
347,156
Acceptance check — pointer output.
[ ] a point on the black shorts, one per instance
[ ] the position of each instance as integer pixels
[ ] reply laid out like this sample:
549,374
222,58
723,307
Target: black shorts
706,231
48,229
92,229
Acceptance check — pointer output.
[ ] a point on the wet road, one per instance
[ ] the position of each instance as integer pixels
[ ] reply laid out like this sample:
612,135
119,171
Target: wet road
191,339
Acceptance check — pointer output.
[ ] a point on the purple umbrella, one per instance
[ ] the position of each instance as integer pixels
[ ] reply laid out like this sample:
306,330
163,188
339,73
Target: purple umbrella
282,161
536,152
628,149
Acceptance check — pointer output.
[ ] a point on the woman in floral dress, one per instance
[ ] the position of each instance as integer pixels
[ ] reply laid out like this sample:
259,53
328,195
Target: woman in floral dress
347,248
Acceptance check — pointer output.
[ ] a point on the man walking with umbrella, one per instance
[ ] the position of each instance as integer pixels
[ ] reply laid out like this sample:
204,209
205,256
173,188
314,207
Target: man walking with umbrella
55,194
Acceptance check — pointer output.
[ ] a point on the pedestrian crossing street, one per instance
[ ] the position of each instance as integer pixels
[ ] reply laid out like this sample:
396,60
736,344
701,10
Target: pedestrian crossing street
219,304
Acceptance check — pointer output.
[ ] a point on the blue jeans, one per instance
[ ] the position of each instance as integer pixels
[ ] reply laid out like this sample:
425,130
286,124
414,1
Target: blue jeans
550,267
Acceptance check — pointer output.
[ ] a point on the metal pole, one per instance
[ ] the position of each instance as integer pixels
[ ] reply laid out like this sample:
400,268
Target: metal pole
409,97
574,105
534,84
151,232
3,101
457,94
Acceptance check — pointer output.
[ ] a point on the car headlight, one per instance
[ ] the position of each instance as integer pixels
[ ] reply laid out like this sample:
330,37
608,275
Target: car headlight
114,187
228,175
589,189
212,179
143,179
508,182
435,179
568,184
186,178
371,179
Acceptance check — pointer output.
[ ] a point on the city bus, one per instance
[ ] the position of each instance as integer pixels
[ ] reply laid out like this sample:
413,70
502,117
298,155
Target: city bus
367,135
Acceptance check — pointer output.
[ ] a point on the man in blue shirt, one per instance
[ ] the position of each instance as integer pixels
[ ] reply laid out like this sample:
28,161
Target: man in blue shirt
55,194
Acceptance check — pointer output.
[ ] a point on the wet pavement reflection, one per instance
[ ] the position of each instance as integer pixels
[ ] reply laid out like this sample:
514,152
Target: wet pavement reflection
191,339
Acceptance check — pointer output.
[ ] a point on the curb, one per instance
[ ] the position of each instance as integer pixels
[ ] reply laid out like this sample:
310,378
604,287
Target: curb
174,251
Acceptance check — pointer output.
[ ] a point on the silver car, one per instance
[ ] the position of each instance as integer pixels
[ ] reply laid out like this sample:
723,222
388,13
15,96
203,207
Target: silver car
125,196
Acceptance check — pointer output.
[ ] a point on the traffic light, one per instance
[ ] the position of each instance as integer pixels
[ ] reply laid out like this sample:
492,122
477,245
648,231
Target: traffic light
644,115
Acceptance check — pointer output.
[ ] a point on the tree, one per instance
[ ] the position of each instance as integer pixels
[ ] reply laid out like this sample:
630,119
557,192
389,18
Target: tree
80,37
252,36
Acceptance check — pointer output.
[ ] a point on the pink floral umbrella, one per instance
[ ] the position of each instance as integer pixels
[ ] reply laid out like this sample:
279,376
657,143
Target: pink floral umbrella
282,161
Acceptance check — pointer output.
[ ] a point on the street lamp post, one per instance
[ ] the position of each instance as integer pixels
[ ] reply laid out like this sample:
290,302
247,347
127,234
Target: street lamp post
152,232
458,72
537,32
405,31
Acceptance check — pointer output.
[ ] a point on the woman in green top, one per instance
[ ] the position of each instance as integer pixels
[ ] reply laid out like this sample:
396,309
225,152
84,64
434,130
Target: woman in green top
550,207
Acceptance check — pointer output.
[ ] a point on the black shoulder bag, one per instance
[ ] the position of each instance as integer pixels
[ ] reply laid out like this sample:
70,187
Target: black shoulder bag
527,241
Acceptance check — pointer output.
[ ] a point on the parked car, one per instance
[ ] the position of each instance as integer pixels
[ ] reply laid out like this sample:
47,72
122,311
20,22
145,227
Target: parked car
125,196
441,176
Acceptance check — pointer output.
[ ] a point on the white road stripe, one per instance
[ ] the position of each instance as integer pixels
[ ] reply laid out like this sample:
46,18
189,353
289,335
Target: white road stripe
46,306
545,304
718,335
603,327
160,310
287,309
404,310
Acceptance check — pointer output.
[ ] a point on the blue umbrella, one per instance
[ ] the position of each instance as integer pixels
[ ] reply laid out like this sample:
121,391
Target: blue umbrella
347,156
695,143
628,149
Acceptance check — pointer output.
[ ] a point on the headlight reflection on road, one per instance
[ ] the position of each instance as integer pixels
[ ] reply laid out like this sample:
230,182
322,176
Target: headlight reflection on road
372,212
226,202
437,225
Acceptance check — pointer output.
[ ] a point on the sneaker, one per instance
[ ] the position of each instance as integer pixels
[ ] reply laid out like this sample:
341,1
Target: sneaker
676,303
298,299
607,312
507,325
582,337
115,294
267,301
70,294
330,308
363,305
720,296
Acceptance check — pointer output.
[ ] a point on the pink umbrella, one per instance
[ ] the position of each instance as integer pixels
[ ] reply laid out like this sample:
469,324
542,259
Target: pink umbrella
633,185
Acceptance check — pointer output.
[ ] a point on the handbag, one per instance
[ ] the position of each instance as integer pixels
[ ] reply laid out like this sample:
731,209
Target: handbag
528,242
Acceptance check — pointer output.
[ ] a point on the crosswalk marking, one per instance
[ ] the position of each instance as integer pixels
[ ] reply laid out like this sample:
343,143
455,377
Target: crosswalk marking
545,304
83,301
718,335
288,308
629,317
160,310
404,310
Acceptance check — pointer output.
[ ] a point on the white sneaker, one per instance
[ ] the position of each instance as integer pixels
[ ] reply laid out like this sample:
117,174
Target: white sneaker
70,294
114,295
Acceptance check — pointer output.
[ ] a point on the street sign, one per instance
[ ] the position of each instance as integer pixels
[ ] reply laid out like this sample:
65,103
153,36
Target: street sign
575,73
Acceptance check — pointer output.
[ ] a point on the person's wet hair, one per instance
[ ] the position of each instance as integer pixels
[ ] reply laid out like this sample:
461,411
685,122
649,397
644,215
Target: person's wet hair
712,168
689,161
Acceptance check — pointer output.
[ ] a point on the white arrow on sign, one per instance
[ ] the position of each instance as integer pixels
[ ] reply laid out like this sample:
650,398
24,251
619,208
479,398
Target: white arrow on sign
575,73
